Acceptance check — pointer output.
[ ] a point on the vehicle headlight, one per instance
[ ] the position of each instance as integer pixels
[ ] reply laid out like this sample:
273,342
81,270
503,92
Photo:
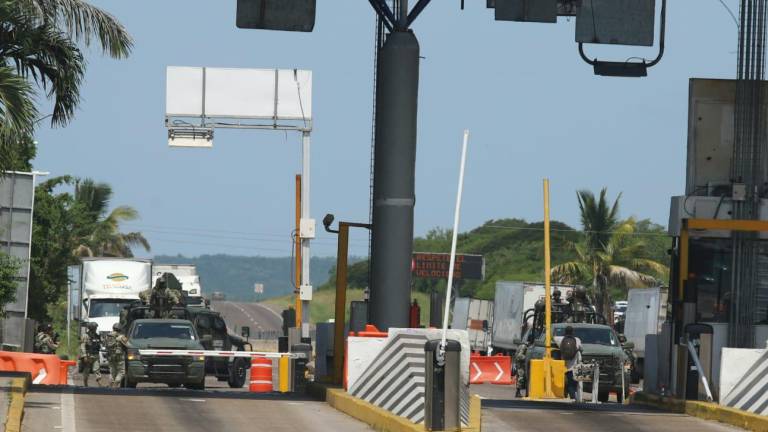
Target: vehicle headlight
193,291
133,354
200,358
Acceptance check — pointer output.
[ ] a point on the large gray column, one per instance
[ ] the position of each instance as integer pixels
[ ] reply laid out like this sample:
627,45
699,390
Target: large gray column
397,84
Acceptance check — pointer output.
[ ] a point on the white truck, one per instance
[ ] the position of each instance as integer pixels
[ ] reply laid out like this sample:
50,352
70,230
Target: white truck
107,285
645,314
511,301
475,316
187,275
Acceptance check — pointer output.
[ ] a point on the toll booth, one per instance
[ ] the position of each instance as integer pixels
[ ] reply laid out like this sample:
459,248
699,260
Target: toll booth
719,273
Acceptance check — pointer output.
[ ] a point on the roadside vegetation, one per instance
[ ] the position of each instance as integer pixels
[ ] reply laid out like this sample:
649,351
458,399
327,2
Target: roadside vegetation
608,255
42,61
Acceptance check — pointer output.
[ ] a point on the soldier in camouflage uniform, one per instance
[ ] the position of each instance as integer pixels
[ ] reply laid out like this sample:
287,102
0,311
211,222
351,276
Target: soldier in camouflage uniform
44,341
163,296
90,345
116,346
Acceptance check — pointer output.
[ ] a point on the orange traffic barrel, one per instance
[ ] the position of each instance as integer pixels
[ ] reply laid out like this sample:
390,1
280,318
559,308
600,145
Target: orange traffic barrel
261,375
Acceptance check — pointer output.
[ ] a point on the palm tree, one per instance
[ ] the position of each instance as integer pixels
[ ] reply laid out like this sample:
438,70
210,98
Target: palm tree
104,237
40,43
609,256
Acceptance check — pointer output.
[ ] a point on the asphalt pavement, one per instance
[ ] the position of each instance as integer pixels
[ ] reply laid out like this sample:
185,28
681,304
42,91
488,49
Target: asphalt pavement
258,317
529,416
177,410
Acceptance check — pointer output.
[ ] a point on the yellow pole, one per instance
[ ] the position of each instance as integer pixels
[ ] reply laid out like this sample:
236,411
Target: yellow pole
341,300
547,299
297,249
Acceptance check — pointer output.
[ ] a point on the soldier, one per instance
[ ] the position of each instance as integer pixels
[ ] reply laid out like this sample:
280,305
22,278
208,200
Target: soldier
90,345
116,346
520,355
44,341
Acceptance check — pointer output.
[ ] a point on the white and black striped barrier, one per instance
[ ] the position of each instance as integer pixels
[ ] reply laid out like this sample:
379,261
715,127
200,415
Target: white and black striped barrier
214,353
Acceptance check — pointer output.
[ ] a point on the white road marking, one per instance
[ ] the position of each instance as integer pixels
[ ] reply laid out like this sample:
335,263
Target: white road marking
68,423
193,400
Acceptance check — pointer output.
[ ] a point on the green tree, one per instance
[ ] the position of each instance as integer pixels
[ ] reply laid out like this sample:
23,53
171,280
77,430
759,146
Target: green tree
41,43
65,227
610,256
105,238
9,271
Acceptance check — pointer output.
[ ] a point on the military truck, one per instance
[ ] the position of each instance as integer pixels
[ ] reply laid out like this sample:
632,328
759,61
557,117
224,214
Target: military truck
600,344
164,302
170,334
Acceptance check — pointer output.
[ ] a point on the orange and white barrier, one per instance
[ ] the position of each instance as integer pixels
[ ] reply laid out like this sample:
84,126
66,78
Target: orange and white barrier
490,369
45,369
261,375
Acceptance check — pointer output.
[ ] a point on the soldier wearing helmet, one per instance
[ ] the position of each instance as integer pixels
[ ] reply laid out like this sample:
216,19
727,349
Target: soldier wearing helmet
45,342
116,346
90,345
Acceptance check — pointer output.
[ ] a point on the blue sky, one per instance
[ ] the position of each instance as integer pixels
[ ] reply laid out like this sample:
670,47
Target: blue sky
533,107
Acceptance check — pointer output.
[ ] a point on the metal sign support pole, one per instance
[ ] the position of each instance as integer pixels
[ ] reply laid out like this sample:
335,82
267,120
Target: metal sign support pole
305,255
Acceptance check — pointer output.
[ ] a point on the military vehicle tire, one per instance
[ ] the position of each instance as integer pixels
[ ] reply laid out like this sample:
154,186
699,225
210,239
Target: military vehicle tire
130,384
603,396
237,373
174,385
198,386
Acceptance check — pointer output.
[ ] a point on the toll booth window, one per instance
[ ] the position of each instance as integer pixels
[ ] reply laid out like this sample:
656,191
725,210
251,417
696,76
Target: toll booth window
709,278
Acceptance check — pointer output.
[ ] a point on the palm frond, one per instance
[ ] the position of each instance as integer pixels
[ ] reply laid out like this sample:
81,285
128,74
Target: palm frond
17,108
622,277
86,22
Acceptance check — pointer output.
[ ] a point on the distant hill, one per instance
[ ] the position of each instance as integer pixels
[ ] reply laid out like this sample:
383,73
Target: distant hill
235,275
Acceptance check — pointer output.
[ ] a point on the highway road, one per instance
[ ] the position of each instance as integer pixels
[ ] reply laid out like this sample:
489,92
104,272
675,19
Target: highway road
258,317
130,410
527,416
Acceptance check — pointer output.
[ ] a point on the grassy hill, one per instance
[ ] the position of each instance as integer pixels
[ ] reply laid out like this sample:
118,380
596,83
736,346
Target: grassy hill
323,303
235,275
513,250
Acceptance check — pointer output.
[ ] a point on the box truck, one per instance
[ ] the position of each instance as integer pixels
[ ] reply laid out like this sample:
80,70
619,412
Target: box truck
645,314
187,275
107,285
475,316
511,301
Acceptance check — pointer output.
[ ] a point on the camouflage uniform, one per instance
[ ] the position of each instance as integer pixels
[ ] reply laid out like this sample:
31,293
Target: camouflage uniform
116,344
520,368
90,344
44,343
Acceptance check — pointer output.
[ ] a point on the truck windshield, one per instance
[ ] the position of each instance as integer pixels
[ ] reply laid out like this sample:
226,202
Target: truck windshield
107,307
163,330
591,335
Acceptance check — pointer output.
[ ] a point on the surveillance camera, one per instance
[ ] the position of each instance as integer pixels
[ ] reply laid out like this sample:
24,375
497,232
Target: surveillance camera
328,220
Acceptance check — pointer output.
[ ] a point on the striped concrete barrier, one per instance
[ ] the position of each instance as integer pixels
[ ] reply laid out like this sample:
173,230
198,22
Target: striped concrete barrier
394,380
751,391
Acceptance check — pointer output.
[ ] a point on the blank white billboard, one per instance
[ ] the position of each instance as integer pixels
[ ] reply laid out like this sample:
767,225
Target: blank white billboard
269,94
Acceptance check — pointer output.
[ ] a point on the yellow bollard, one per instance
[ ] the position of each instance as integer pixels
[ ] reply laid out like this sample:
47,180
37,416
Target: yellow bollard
538,378
284,373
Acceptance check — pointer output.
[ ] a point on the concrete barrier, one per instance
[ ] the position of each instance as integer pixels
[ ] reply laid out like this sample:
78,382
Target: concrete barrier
705,410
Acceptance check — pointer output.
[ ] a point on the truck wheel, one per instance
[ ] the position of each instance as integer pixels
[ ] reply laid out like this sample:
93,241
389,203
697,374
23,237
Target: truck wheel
603,395
130,383
237,374
198,386
174,385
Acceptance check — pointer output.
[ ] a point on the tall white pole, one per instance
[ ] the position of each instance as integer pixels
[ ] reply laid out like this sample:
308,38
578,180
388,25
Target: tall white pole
305,255
456,218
